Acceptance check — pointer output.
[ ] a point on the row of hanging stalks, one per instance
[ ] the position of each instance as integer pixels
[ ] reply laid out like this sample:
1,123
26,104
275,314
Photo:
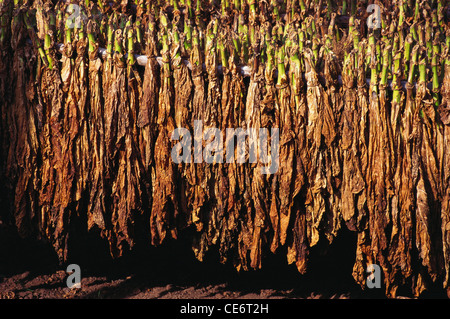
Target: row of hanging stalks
361,99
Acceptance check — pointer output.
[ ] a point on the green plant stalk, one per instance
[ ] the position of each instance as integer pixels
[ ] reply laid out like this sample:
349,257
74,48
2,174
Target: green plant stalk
356,46
122,20
164,22
68,29
395,48
252,10
401,36
396,79
216,28
296,64
384,72
443,60
354,7
383,23
140,7
195,48
287,42
190,10
409,7
198,15
332,30
223,53
301,44
47,47
279,30
435,19
281,67
48,44
118,42
304,28
262,48
422,73
435,91
439,5
91,37
356,41
309,30
428,39
301,39
243,35
209,36
373,78
292,9
413,65
59,17
344,7
283,6
370,48
275,10
392,33
315,49
34,37
270,53
413,32
401,14
252,33
379,57
422,70
416,11
347,61
313,27
130,43
237,5
328,42
421,35
138,31
435,72
437,51
329,9
52,20
100,5
188,35
440,13
81,33
351,23
236,45
241,25
373,63
176,40
407,52
110,37
155,7
302,6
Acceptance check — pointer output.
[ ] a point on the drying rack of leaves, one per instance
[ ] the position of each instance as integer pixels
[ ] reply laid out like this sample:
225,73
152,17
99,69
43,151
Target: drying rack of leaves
91,91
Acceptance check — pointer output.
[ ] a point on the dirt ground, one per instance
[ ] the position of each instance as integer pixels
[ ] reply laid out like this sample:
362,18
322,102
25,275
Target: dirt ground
30,269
